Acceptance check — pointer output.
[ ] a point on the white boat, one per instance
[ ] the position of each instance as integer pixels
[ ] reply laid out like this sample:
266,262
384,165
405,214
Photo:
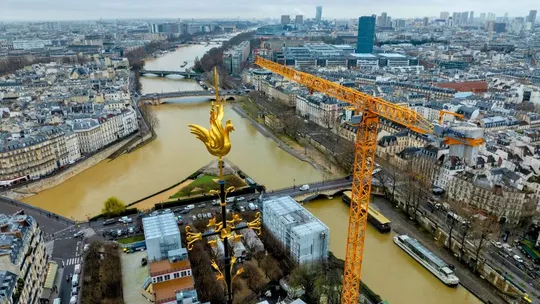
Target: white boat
429,260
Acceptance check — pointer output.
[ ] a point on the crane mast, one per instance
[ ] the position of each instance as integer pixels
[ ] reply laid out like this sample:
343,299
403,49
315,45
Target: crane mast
371,109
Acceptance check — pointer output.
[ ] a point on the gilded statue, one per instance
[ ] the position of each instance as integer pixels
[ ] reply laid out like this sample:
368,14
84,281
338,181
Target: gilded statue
216,139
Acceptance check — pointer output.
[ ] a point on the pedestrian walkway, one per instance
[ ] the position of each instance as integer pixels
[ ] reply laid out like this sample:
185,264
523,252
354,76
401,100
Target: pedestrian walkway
73,261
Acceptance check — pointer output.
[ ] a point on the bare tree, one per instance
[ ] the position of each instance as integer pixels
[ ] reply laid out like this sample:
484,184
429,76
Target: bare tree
271,268
328,119
149,116
482,230
254,279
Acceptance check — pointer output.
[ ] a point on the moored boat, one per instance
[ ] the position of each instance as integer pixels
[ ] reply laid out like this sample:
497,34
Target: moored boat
429,260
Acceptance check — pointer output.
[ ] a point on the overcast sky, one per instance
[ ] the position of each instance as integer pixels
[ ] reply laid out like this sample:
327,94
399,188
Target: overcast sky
36,10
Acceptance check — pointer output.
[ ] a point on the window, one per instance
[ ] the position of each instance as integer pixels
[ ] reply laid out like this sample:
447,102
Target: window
160,279
176,275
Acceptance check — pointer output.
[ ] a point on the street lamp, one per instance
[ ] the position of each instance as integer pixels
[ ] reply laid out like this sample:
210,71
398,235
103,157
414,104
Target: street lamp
217,143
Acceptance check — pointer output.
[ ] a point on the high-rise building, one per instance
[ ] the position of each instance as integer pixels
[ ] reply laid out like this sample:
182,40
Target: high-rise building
388,21
532,17
366,34
482,17
456,17
318,14
285,19
382,20
471,17
499,27
445,15
464,17
426,21
299,19
491,17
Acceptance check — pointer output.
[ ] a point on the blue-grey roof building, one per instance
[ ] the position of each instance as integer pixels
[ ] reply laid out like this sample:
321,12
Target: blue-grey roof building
22,259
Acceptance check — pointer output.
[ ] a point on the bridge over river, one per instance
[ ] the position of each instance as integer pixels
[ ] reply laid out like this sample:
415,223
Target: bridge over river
187,74
157,98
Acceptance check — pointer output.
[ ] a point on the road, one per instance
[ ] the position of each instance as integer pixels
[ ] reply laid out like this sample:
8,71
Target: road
67,253
49,222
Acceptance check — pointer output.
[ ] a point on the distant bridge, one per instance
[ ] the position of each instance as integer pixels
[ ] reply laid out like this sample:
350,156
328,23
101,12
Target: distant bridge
187,74
157,98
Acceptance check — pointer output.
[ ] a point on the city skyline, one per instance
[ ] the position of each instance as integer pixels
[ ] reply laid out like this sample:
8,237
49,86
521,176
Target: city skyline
63,10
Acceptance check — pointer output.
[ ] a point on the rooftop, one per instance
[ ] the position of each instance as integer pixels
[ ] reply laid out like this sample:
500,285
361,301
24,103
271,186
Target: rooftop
156,226
166,291
166,266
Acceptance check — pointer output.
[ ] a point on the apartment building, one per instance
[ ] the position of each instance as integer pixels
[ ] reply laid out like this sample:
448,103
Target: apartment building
32,156
319,108
22,259
96,133
88,133
235,58
303,235
72,146
492,196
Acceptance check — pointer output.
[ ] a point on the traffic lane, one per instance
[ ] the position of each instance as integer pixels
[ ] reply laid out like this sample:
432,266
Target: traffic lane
66,287
66,248
530,287
511,268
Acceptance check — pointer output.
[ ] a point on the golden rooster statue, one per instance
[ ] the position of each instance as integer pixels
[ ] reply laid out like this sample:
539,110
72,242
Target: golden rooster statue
216,139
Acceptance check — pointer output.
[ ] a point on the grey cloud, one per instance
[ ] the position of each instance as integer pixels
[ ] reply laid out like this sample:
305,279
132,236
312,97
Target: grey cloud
183,9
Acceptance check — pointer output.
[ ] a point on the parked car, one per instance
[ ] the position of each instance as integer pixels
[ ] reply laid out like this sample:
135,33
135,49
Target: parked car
184,211
202,205
215,202
194,217
189,207
251,206
518,258
199,216
125,220
497,244
119,232
209,215
131,230
86,246
74,291
304,187
242,209
109,222
240,198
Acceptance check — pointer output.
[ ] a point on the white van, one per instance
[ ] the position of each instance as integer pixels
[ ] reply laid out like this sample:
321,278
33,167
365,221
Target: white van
73,300
57,301
189,207
75,280
252,206
77,269
304,187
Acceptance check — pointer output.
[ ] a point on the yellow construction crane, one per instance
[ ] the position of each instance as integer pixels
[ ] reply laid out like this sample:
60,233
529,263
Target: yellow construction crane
371,109
442,112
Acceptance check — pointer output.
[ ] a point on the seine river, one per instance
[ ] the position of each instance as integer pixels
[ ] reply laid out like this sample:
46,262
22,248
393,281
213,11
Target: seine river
176,154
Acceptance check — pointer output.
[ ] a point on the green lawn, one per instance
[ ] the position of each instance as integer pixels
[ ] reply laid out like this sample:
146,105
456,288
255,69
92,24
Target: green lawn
131,239
205,183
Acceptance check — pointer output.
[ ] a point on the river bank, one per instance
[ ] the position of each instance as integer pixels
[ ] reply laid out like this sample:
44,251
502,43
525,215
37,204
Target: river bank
54,180
302,151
